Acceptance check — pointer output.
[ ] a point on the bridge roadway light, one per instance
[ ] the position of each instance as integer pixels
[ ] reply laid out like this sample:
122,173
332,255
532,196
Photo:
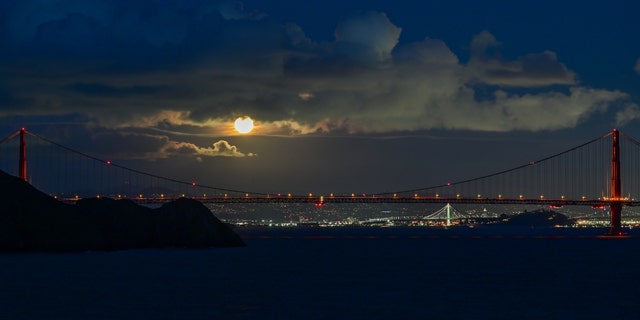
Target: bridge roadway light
499,196
520,197
541,197
458,196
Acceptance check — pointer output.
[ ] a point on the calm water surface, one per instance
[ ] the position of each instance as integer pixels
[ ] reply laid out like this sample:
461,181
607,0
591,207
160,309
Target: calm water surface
340,273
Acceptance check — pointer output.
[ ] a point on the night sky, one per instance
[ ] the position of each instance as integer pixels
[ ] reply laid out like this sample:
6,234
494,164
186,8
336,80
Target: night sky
356,96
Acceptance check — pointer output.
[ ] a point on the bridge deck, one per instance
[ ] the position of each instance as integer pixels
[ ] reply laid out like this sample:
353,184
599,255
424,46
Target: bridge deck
372,199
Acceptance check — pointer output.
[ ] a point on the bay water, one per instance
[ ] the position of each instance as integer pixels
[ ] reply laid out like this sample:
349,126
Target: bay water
340,273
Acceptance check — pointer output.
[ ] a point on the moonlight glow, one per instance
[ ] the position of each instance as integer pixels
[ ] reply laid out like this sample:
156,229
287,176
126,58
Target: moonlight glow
243,125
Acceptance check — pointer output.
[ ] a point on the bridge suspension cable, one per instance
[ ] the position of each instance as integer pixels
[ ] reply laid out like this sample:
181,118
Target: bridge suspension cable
129,169
486,177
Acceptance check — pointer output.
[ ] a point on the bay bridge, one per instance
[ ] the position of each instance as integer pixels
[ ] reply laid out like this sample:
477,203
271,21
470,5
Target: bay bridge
599,173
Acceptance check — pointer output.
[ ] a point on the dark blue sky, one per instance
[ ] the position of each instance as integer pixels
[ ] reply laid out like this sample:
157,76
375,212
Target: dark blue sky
337,90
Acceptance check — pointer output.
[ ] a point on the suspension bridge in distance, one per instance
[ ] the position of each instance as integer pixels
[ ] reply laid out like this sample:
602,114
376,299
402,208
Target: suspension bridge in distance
590,174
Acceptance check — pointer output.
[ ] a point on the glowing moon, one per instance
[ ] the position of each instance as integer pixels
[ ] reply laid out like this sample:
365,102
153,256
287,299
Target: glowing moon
243,125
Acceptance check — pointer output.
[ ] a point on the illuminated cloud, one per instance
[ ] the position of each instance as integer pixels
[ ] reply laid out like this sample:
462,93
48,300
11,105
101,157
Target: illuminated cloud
428,88
288,128
221,148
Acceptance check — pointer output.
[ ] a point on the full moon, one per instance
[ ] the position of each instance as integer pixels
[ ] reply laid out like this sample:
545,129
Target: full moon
243,125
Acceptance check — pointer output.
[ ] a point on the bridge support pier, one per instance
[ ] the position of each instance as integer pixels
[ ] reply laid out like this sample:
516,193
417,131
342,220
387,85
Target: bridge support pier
615,222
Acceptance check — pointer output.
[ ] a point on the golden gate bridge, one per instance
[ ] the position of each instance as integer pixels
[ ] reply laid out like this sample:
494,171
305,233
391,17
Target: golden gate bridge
599,173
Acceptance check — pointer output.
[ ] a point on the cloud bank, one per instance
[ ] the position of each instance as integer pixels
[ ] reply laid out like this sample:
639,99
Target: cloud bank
193,66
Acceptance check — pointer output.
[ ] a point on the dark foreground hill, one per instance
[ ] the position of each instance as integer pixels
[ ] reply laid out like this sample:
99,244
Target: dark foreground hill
33,221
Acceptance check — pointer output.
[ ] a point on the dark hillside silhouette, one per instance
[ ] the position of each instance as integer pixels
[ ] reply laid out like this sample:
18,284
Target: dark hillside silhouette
33,221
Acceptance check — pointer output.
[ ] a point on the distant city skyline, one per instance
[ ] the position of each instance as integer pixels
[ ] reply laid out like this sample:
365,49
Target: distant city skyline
364,96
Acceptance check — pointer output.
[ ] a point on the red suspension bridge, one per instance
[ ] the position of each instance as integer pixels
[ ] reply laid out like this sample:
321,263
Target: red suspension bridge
590,174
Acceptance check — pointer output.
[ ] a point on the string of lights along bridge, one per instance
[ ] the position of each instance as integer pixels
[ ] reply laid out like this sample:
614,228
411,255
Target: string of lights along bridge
598,173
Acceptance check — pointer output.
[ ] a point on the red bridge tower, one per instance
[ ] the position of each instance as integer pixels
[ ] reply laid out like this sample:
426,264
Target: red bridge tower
22,167
616,193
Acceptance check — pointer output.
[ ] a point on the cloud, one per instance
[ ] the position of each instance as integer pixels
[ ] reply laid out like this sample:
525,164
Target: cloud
548,111
430,52
145,22
368,36
221,148
428,88
630,112
25,19
531,70
482,42
192,67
